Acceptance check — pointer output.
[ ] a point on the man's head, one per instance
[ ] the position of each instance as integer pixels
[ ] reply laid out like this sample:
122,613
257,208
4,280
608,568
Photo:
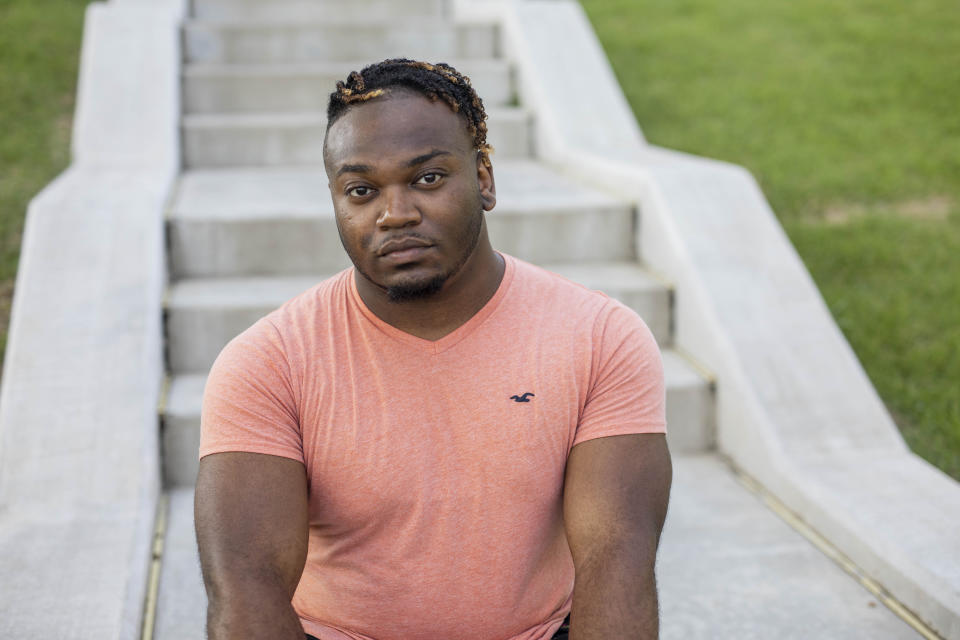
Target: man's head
410,175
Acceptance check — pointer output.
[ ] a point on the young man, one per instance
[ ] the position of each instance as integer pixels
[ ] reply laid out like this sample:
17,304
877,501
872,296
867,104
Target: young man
443,441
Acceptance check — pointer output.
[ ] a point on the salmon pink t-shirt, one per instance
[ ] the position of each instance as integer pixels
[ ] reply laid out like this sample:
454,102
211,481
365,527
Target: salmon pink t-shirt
435,468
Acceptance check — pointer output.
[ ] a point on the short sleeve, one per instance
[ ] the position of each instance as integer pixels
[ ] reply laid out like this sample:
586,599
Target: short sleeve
626,393
248,402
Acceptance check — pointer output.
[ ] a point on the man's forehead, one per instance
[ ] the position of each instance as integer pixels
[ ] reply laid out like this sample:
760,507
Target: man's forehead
397,124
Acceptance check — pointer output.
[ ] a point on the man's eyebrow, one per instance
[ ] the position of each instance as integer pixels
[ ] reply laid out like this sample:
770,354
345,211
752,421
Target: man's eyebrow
428,156
353,168
365,168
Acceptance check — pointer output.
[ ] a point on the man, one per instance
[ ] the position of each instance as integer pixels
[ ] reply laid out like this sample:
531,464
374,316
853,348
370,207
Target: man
443,441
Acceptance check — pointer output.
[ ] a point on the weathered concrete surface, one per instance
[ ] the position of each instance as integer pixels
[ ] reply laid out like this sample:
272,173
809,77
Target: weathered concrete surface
794,406
336,10
691,421
372,39
128,95
729,568
75,575
231,88
181,429
182,602
79,463
558,42
83,367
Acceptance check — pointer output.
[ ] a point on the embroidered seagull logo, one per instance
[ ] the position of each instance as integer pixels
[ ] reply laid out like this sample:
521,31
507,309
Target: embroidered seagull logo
524,398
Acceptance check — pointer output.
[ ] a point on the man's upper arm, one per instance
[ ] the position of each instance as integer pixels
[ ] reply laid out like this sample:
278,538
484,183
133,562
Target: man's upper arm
251,519
616,492
618,472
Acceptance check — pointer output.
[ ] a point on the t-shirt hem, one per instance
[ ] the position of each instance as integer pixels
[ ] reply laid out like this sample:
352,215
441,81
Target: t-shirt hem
620,430
327,631
248,448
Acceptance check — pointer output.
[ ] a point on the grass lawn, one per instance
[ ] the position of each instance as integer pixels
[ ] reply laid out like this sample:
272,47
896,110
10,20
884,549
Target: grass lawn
39,53
848,115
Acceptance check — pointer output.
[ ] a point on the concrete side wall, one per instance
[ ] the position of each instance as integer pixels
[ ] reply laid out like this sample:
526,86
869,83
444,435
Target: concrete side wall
79,459
795,408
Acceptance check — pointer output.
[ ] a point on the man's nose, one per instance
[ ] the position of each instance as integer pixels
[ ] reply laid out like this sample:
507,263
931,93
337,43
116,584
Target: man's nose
399,210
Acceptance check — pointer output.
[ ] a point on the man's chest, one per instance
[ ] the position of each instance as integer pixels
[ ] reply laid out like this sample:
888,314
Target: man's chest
449,436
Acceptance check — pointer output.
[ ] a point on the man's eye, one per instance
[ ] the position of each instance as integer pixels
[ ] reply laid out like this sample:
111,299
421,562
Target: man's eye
359,192
429,178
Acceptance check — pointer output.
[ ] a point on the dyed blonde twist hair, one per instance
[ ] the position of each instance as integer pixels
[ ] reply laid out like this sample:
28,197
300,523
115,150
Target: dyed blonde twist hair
437,81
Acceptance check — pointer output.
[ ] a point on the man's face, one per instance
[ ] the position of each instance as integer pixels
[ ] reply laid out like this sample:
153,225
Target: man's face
409,192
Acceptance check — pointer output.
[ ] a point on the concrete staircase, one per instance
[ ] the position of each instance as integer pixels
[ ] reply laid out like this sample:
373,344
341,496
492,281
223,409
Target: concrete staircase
251,225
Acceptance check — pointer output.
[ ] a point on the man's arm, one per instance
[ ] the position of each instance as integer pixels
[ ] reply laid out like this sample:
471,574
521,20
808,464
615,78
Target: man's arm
614,504
251,517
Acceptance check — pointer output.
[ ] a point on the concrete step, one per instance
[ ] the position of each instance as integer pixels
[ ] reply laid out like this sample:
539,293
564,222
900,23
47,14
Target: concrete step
690,417
296,138
296,40
181,599
204,314
691,414
279,221
728,567
180,432
258,10
220,88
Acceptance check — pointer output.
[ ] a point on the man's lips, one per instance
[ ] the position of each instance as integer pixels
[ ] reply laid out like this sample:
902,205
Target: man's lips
404,256
402,247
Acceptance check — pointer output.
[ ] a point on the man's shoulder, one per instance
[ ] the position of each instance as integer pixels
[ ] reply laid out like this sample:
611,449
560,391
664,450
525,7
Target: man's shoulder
558,293
307,304
559,302
303,313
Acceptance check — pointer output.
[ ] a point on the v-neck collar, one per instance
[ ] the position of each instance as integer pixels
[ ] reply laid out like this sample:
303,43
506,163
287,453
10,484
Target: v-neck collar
452,338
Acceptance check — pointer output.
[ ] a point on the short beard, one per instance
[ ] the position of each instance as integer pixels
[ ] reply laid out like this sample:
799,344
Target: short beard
412,291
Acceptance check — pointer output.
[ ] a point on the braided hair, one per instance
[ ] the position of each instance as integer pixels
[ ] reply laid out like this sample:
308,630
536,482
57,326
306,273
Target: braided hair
437,81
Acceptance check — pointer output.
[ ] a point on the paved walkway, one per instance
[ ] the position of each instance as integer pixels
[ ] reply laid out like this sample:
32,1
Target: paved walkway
730,568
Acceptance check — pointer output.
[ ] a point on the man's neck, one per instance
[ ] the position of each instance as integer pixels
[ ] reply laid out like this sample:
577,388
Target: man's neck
434,317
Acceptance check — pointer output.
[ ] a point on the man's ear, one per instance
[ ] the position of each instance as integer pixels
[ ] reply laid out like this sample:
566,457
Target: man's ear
488,187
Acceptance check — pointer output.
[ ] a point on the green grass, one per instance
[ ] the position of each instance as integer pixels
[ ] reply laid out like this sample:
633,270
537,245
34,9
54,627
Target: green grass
884,279
847,114
39,53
